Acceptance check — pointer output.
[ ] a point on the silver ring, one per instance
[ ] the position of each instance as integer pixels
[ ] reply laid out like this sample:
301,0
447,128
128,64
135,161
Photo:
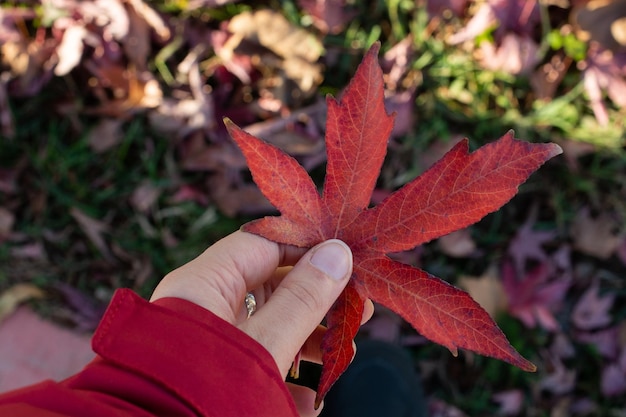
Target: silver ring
250,303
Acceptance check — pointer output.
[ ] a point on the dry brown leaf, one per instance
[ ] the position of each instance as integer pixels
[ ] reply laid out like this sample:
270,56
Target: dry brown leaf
272,30
233,200
15,295
106,134
299,49
152,18
487,290
93,229
144,196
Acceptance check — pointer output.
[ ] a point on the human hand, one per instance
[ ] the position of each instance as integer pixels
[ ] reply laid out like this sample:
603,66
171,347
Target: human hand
291,302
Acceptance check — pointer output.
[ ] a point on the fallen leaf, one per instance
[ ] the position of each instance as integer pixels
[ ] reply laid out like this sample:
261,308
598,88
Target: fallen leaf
510,402
15,295
560,380
562,347
144,196
514,55
86,311
458,244
603,71
70,51
613,382
527,244
597,236
7,219
593,311
605,341
513,49
235,199
534,297
603,22
93,229
299,49
456,192
384,325
105,134
487,290
439,408
137,42
329,16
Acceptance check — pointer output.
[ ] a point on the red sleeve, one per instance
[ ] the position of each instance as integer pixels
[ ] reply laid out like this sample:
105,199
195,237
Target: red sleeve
167,358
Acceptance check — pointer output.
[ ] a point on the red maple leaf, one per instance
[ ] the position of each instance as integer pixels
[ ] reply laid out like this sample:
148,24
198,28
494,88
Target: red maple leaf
457,191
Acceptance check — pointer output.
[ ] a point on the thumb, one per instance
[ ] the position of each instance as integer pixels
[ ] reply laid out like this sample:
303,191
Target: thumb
301,301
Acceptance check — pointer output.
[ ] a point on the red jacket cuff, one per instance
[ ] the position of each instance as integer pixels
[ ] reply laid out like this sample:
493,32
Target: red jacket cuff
212,365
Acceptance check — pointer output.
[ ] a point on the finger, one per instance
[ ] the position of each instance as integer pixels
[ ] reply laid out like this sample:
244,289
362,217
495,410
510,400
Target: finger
305,399
300,302
311,349
219,278
368,311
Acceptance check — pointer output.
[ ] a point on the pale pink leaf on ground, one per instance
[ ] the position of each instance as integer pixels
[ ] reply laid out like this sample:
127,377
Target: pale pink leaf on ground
515,54
510,402
560,380
144,196
613,380
34,250
584,407
528,243
604,71
105,134
396,62
592,310
605,341
439,408
562,347
479,23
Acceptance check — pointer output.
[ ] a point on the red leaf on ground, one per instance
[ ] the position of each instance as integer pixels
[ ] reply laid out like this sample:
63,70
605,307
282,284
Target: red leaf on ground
535,296
457,191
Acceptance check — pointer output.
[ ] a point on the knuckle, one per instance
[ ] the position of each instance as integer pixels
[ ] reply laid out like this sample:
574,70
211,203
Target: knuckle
309,297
